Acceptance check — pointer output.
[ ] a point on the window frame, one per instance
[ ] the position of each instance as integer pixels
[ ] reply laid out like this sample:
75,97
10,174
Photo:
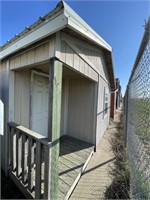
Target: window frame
106,102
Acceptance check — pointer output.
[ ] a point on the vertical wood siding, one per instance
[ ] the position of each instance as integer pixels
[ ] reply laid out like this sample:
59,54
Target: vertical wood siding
22,97
74,60
102,121
96,57
35,55
81,110
64,106
89,61
84,57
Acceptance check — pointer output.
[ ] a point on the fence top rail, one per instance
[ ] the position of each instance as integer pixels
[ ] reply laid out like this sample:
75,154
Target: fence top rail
36,136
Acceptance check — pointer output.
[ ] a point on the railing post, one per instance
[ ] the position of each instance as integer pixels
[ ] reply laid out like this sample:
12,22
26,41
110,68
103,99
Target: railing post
47,172
38,170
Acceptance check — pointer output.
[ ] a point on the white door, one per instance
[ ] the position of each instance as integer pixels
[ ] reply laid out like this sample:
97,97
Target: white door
39,120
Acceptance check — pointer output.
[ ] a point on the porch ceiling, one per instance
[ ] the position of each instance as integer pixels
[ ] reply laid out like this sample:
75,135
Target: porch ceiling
67,73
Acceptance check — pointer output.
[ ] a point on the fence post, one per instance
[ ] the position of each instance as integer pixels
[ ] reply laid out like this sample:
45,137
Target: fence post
126,114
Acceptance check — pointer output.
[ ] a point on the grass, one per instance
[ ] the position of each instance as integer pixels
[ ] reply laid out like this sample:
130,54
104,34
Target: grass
142,185
139,115
8,189
120,187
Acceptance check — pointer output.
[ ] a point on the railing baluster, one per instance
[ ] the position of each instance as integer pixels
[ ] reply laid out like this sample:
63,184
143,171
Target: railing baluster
22,145
12,136
30,164
11,133
14,150
24,158
47,172
18,153
38,170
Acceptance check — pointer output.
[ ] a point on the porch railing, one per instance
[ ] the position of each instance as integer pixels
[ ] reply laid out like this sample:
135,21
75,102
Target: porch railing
30,160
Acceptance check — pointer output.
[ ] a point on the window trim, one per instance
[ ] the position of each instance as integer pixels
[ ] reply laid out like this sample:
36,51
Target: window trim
106,101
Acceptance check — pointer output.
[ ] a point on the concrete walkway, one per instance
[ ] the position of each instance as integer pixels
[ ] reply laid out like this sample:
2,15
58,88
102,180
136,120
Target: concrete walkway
96,177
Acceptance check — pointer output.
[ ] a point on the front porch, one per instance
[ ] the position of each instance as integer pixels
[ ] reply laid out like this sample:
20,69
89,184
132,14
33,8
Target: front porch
30,162
53,105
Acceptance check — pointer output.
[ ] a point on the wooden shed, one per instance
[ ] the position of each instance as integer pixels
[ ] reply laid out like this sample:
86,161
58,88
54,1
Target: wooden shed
56,77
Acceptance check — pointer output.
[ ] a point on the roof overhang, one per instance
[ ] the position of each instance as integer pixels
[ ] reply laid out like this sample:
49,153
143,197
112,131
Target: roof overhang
59,18
109,63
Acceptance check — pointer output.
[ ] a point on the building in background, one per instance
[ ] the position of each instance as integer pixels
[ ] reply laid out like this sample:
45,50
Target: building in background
116,98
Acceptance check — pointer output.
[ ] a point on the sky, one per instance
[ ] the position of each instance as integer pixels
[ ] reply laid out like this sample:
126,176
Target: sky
119,23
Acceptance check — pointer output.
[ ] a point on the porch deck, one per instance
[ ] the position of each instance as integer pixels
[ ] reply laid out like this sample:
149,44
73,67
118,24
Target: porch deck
74,156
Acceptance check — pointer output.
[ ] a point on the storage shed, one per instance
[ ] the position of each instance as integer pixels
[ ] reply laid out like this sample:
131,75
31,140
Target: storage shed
56,77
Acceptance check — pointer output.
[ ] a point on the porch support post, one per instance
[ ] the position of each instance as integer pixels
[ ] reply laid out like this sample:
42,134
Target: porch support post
55,89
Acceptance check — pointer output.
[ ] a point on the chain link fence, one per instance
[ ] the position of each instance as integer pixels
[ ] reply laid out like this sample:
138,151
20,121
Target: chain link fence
137,120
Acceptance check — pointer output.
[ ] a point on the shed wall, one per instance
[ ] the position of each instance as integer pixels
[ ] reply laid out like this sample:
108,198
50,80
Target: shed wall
83,56
22,97
37,54
91,62
73,59
64,106
102,120
81,109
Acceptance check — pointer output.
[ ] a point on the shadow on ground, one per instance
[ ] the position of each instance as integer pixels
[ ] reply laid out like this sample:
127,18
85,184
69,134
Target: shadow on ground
8,189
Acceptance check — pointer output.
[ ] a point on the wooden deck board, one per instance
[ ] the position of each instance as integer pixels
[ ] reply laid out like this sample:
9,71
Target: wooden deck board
79,153
73,155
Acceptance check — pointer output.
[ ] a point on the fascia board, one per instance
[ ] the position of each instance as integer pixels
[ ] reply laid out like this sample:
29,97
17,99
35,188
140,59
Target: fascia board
48,28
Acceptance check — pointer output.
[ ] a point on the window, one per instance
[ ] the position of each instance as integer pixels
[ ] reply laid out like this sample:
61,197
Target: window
106,98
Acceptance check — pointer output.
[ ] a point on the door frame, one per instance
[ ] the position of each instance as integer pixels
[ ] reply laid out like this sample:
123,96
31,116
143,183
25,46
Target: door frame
33,72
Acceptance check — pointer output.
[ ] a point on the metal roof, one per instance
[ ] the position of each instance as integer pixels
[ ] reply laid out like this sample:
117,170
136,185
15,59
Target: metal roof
62,16
71,16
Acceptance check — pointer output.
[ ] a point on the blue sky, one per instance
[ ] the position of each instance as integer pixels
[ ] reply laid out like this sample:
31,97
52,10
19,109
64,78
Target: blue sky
120,23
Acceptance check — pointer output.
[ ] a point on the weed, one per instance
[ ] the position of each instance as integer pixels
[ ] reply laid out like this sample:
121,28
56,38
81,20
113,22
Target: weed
120,187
